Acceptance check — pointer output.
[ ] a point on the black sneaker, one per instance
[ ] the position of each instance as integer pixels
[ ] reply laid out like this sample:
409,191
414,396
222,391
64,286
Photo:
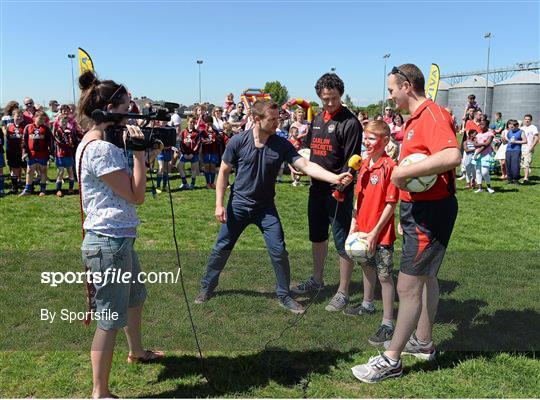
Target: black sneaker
292,305
359,309
383,333
203,297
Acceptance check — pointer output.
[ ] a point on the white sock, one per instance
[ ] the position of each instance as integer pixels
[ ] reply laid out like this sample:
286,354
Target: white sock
367,304
388,322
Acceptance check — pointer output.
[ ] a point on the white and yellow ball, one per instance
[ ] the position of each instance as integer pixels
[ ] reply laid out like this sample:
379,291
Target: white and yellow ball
357,248
421,183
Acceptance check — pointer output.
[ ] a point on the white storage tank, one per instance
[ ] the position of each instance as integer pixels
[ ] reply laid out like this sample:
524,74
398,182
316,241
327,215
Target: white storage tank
517,96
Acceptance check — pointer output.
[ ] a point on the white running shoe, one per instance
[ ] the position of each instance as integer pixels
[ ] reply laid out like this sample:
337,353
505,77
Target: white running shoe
413,347
377,369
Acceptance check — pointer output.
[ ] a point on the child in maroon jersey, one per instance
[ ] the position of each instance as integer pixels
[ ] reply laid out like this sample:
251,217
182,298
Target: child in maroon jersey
37,148
64,139
189,144
209,144
14,135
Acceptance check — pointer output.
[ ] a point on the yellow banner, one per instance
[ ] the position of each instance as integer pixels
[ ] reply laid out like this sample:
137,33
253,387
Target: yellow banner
85,62
433,82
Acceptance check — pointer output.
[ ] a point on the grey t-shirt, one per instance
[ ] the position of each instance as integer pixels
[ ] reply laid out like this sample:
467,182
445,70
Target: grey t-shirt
256,168
106,213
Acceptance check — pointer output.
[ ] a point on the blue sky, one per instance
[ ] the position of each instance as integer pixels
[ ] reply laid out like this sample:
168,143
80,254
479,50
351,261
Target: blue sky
152,47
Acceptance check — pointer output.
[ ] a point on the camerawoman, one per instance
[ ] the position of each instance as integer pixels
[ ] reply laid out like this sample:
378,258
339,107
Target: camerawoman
110,190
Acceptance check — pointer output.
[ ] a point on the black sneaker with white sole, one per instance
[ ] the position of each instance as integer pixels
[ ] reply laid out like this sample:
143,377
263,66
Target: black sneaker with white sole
383,334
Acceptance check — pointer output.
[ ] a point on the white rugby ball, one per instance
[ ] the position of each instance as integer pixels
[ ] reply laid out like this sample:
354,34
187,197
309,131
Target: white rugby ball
357,248
421,183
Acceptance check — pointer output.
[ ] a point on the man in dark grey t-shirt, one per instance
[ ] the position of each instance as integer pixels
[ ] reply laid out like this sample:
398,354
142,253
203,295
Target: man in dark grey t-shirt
257,155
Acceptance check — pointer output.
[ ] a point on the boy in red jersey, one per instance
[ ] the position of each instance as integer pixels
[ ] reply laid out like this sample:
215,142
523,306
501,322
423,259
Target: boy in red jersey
14,137
374,218
37,148
188,144
64,139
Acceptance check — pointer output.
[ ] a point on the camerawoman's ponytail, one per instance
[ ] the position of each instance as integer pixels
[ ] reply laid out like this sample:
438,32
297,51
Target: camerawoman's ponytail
96,95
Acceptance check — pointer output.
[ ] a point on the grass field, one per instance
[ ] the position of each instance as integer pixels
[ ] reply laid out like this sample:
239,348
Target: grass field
487,326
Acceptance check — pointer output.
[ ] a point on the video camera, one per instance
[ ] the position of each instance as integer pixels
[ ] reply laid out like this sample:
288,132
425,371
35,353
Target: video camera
152,136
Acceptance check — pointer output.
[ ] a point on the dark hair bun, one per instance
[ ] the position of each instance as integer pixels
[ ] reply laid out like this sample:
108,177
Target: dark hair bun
87,80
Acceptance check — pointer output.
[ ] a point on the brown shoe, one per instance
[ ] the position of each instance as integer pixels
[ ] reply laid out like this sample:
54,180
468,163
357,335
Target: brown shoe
149,357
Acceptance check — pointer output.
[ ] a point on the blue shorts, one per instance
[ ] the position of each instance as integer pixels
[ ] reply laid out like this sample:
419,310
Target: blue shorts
210,159
194,159
64,162
165,155
40,161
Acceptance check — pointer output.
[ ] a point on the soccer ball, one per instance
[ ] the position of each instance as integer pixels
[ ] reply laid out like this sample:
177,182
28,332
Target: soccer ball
421,183
357,248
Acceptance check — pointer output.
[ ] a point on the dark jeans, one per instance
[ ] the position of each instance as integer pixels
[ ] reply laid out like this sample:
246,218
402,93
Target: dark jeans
513,160
238,218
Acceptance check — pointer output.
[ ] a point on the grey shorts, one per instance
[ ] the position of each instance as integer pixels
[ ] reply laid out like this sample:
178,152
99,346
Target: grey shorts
382,261
102,253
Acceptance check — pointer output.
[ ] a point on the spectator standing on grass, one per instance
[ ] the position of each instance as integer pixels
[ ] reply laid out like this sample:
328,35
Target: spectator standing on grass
483,157
189,142
469,148
209,150
388,116
527,150
500,156
300,123
516,138
64,140
37,148
238,118
471,104
11,106
53,110
218,119
30,110
13,134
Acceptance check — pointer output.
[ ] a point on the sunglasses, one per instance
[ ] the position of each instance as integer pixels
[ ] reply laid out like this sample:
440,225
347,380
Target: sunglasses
397,71
117,93
28,104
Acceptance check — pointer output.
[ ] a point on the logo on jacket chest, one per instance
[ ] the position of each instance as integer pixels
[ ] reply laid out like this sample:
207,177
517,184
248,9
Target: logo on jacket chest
374,179
410,134
331,128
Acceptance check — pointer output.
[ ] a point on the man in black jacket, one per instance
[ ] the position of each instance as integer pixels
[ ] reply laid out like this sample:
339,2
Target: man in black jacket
334,136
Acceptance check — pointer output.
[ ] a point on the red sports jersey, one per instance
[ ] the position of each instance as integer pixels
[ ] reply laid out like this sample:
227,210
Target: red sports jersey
64,140
209,142
470,125
297,143
37,141
28,118
14,139
189,142
428,131
374,190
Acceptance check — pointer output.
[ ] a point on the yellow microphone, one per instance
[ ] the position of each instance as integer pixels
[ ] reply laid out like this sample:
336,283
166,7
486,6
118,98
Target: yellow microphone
354,164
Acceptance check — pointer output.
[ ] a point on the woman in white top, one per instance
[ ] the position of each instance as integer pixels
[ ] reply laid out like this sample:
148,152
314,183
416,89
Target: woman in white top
110,192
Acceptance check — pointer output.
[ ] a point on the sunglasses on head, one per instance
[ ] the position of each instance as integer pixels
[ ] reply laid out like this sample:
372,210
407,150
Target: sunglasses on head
397,71
117,93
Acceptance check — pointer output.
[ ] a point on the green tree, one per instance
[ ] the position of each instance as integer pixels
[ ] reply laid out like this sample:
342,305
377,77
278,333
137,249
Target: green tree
278,92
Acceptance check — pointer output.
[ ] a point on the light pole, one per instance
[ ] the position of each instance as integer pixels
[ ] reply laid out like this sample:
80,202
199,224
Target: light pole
488,37
200,96
385,57
72,57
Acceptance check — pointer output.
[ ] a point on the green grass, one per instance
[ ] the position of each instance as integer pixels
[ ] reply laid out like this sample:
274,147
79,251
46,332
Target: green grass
487,325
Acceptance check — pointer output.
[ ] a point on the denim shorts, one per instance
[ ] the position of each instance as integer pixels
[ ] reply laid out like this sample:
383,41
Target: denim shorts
102,253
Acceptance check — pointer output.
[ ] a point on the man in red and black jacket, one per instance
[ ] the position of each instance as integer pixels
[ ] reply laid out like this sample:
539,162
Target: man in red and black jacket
334,136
